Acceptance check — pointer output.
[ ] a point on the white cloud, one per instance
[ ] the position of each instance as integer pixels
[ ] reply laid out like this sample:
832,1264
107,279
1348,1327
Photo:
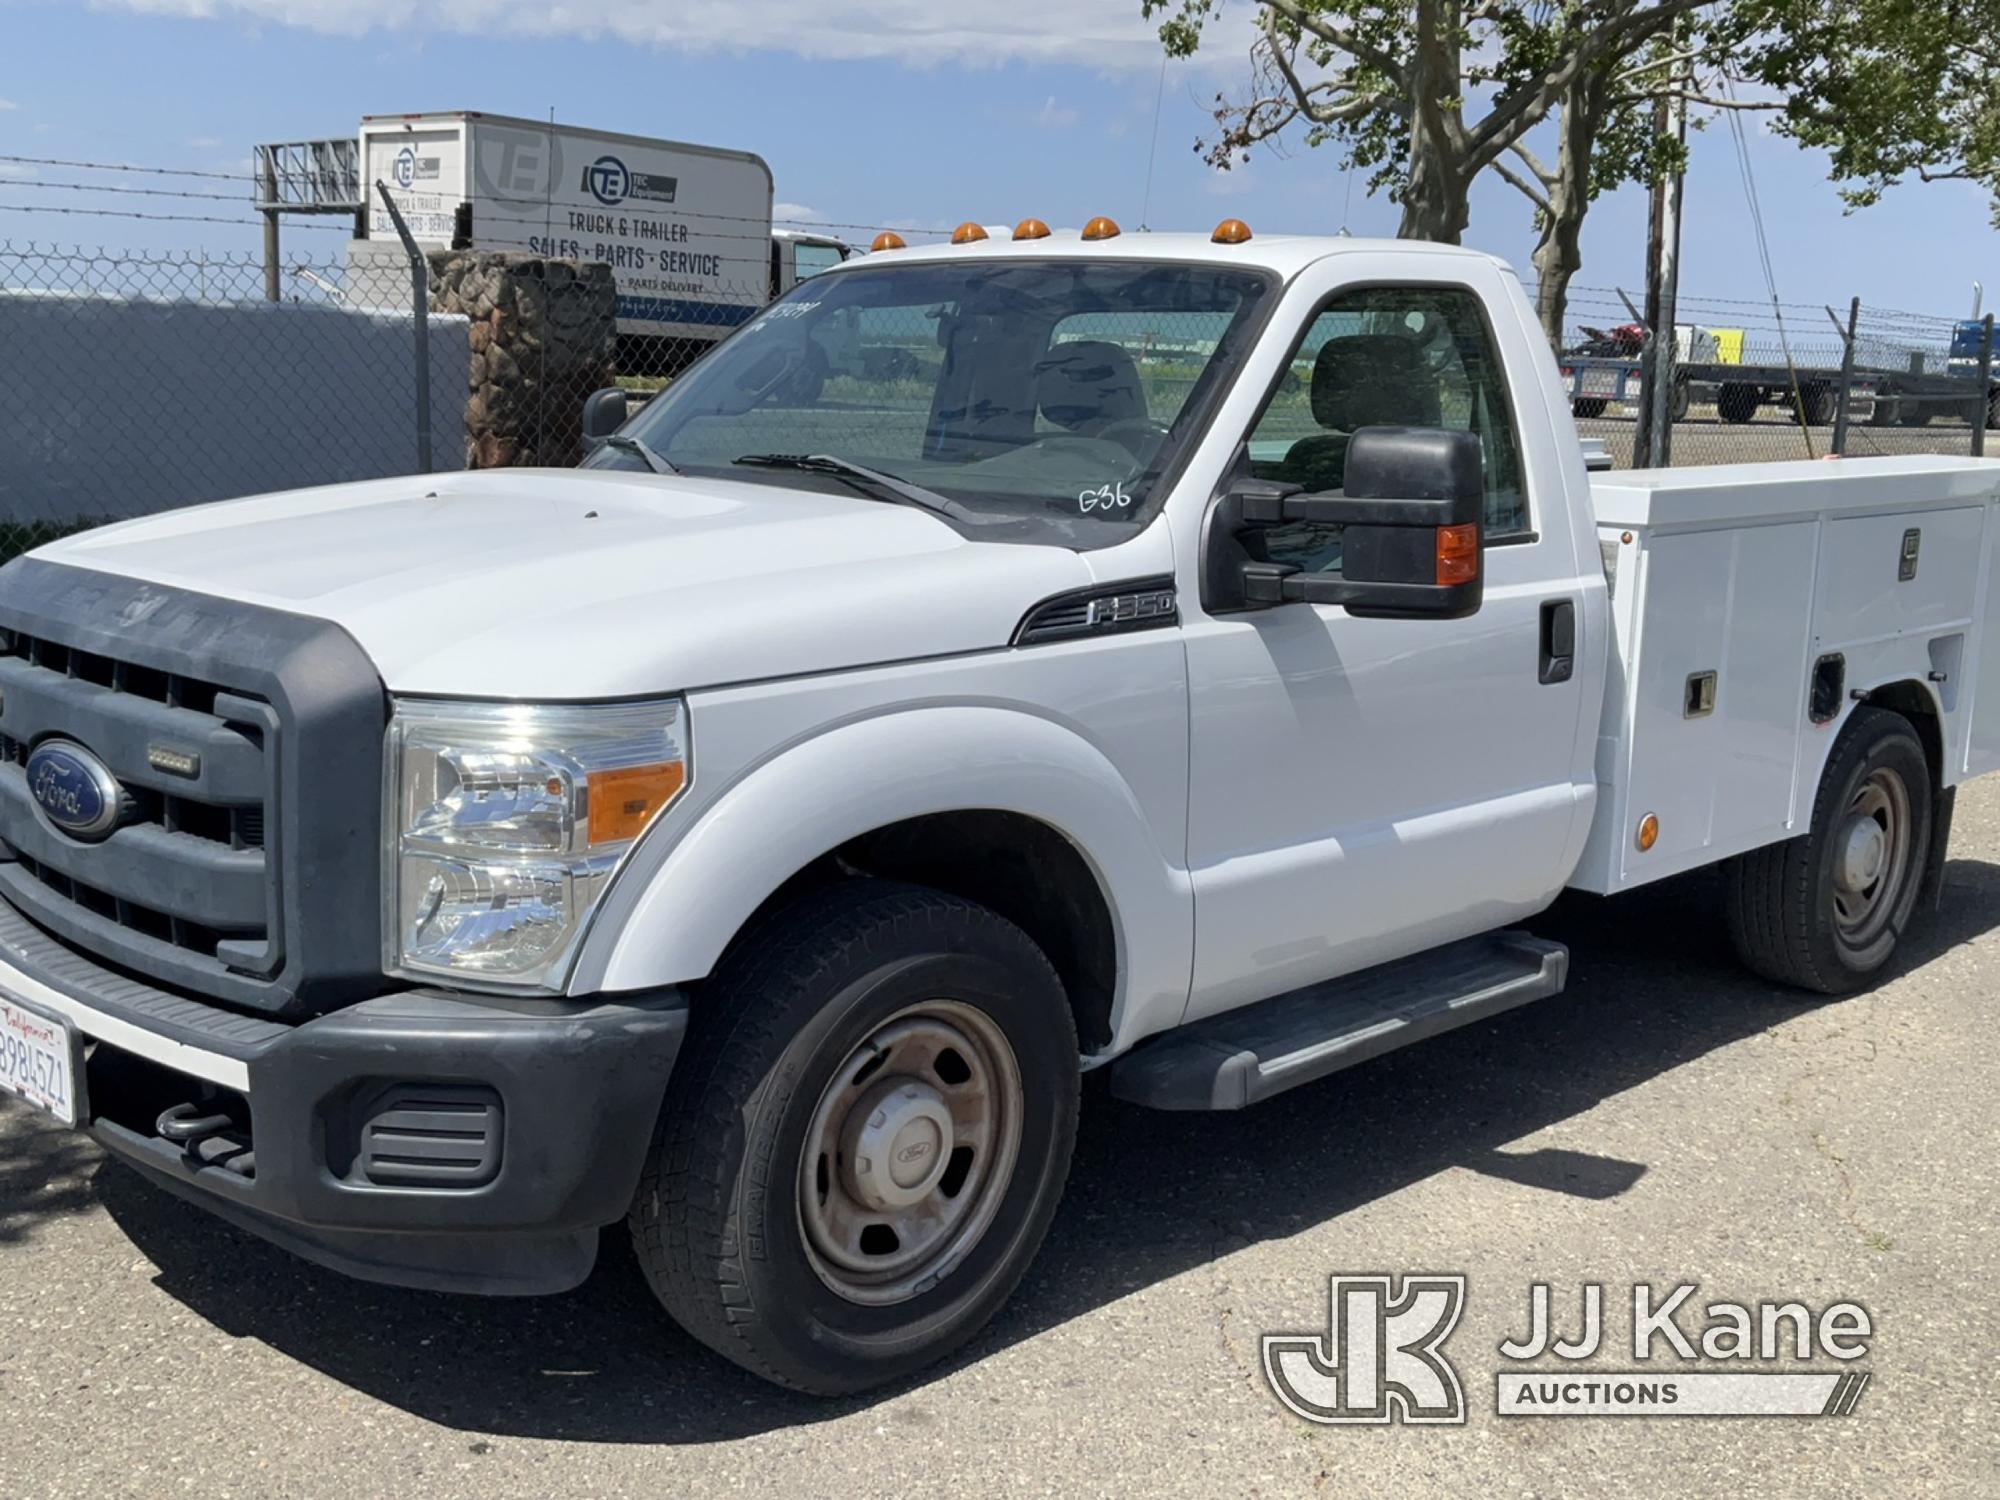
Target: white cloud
15,170
202,142
1103,34
1054,116
796,213
7,104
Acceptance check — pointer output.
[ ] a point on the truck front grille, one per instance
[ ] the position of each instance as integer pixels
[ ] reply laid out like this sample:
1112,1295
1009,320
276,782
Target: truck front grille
246,743
187,867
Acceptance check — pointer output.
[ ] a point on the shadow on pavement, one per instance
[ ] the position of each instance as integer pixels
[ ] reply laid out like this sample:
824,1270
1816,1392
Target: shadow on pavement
1653,986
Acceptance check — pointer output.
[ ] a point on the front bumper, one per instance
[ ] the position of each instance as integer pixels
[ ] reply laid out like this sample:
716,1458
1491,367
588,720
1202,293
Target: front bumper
423,1138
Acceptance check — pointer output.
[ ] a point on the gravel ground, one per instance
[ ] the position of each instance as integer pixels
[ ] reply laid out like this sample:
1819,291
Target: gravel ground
1667,1119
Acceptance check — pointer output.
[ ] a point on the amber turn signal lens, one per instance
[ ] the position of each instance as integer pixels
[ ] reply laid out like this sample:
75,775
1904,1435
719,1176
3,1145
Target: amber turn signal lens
624,801
1457,553
967,232
1231,232
1100,228
1031,229
888,239
1649,832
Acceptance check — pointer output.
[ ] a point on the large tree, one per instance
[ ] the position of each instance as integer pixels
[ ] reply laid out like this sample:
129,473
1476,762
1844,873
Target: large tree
1425,95
1436,91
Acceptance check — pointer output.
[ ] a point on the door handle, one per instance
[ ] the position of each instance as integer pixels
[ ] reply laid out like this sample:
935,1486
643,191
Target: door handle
1558,659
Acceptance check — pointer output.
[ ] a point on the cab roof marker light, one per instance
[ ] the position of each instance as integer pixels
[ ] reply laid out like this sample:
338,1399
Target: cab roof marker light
968,232
1230,232
1031,229
888,239
1100,228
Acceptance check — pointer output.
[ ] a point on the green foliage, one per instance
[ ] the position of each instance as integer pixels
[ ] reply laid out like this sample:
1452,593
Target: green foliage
1889,89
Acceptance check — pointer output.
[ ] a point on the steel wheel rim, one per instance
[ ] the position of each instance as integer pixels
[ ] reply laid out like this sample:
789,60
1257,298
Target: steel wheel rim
1871,857
909,1152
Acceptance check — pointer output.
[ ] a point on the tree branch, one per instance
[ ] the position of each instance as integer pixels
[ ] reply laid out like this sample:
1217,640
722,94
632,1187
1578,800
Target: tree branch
1533,193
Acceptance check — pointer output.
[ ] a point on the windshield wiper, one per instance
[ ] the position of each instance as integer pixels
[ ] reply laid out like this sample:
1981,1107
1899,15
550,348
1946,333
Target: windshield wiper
625,443
884,485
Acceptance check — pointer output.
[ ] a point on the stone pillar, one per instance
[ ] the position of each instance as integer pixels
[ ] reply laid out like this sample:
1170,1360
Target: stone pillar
544,336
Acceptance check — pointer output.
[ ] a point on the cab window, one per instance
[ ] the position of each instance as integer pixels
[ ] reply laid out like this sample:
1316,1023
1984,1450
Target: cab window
1387,356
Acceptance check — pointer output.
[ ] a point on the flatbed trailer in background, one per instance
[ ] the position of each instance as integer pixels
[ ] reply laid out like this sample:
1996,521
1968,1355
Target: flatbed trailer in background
1881,397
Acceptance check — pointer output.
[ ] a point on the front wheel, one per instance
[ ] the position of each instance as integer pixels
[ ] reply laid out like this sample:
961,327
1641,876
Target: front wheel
1825,912
864,1139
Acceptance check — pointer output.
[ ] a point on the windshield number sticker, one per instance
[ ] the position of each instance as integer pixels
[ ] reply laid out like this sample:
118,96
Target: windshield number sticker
1107,497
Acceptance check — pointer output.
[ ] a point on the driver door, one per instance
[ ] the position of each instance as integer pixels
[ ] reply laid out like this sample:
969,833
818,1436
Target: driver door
1366,788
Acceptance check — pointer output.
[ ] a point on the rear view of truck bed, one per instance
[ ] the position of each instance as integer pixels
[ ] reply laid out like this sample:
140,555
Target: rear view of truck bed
1751,606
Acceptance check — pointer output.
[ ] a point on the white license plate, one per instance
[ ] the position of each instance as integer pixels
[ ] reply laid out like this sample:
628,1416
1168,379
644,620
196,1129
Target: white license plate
38,1059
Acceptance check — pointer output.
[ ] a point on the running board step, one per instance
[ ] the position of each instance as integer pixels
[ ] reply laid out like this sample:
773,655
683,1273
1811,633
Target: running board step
1244,1056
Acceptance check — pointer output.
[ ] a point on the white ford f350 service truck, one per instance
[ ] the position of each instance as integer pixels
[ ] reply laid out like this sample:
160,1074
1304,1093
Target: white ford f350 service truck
1189,657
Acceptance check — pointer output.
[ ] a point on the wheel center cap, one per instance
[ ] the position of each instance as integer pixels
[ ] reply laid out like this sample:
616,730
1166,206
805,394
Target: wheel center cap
1862,850
896,1143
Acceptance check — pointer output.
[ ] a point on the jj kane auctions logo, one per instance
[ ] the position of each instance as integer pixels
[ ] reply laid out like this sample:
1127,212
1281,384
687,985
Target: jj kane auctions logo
1381,1358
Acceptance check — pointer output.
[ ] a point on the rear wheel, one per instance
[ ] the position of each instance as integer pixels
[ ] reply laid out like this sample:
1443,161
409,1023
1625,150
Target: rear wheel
1736,403
1825,912
864,1139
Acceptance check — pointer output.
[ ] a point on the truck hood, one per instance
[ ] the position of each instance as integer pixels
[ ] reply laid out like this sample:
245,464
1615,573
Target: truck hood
560,583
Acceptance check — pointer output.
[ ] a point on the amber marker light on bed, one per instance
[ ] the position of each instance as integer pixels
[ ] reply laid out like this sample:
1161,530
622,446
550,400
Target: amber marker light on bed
624,801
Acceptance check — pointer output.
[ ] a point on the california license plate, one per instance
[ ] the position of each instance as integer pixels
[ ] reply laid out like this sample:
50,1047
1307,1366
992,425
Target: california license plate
39,1059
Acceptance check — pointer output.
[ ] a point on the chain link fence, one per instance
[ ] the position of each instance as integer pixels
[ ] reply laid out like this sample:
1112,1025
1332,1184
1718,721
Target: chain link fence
133,382
1757,381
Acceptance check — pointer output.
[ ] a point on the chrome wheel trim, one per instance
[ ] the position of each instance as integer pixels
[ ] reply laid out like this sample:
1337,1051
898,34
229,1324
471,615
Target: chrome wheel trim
1871,857
909,1153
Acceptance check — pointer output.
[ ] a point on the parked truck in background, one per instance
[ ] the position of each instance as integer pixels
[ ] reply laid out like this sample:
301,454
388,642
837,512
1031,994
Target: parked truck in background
754,835
686,230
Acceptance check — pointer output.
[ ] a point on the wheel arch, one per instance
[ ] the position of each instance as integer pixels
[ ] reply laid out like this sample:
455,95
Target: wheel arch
956,797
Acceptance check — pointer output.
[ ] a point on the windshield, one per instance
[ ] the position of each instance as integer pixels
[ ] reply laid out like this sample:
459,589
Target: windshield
1047,398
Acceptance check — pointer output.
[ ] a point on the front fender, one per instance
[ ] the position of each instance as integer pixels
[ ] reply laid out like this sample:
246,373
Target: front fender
676,908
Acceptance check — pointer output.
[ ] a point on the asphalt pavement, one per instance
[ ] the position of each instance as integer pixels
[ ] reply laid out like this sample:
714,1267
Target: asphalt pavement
1668,1119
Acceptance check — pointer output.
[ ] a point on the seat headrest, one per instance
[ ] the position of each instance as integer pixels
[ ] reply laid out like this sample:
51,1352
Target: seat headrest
1373,380
1088,384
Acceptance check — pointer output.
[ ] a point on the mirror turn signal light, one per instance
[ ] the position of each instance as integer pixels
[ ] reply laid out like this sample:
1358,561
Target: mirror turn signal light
888,239
967,232
1457,553
624,801
1649,832
1031,229
1230,232
1100,228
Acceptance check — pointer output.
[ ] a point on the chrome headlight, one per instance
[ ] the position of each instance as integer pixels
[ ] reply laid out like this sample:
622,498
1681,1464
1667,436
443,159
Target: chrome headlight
509,821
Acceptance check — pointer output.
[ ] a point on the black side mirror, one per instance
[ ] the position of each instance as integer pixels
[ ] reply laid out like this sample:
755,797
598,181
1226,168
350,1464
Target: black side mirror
1410,513
603,414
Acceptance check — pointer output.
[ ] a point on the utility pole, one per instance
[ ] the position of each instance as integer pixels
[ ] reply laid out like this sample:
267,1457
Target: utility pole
267,181
1653,445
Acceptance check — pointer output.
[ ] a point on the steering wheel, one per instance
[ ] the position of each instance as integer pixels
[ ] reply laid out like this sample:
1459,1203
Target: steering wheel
1139,436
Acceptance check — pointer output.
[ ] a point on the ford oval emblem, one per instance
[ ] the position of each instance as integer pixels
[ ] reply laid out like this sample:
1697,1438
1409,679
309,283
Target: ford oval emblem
74,789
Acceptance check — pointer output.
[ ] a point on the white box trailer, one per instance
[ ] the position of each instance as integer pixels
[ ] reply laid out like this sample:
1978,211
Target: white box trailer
685,229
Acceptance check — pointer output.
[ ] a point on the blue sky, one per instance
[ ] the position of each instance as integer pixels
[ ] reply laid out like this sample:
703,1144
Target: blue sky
869,112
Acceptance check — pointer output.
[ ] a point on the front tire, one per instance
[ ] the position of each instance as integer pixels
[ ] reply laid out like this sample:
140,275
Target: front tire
864,1139
1825,912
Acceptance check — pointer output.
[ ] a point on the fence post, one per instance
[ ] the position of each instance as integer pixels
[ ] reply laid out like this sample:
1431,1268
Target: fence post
420,295
1846,390
1982,407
